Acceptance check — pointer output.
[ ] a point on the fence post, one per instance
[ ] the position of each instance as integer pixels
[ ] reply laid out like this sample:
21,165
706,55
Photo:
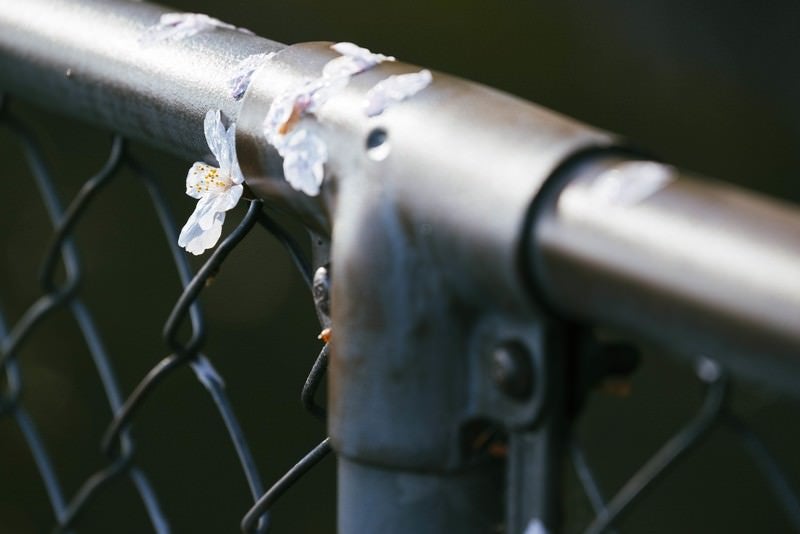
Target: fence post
427,286
478,202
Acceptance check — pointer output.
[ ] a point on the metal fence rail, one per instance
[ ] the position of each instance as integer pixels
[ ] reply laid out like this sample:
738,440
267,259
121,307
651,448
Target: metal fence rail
460,267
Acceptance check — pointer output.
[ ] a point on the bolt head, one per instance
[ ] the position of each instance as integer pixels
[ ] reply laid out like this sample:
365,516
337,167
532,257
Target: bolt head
321,288
512,370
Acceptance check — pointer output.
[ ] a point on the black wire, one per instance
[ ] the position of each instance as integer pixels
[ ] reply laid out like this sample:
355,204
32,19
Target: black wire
296,253
313,382
263,504
666,458
183,353
61,246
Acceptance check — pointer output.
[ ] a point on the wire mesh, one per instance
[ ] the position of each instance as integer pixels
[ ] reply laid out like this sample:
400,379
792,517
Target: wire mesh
713,412
117,443
609,514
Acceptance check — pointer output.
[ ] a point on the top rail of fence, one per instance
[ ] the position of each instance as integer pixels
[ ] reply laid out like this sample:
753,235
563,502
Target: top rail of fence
86,59
695,264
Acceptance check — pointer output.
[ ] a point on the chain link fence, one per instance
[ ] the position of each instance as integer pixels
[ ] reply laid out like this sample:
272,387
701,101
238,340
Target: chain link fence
61,276
655,459
757,471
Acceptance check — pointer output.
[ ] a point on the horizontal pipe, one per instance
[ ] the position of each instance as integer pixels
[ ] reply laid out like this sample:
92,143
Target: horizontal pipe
698,266
86,59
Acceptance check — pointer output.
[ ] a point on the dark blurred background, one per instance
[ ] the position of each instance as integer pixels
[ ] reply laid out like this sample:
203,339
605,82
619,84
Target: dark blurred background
710,86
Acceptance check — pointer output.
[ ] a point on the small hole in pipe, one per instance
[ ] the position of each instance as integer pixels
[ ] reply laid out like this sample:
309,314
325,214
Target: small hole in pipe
378,144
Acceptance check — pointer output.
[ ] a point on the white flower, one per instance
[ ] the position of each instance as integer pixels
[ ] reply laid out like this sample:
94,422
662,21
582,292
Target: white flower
240,81
393,89
283,112
304,152
177,26
217,189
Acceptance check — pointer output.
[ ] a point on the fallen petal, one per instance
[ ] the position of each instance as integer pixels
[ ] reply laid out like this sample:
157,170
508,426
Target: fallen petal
354,59
241,78
304,157
176,26
323,90
353,50
279,114
304,153
395,88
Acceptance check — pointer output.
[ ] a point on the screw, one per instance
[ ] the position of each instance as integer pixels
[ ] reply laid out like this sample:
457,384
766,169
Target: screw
512,371
321,290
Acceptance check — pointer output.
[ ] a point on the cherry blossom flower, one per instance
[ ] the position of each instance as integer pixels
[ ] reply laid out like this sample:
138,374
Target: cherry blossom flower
177,26
218,189
304,152
395,88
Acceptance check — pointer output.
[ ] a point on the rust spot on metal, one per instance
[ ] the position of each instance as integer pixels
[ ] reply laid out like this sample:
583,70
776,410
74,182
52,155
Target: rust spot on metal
325,335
